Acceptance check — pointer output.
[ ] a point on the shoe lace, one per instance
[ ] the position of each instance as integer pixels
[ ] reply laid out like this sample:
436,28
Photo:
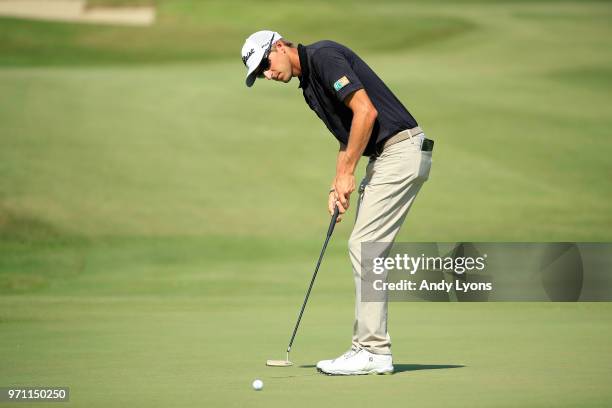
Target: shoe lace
354,350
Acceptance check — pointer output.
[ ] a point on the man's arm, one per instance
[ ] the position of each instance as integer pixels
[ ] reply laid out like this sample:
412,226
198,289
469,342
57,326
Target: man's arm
364,116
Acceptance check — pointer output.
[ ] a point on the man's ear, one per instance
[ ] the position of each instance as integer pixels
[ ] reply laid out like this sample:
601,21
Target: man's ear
280,47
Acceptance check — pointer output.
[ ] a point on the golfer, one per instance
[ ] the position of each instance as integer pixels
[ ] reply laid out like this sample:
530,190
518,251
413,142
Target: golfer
367,119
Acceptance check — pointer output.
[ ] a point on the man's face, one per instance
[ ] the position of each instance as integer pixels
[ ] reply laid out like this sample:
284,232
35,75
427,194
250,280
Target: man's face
280,66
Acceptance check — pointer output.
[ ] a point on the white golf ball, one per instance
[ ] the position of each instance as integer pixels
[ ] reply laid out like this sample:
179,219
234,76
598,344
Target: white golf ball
257,385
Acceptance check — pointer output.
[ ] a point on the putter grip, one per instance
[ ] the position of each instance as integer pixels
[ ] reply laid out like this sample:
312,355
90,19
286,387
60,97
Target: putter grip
332,224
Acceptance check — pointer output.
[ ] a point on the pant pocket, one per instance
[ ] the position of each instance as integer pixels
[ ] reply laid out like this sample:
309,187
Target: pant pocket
424,165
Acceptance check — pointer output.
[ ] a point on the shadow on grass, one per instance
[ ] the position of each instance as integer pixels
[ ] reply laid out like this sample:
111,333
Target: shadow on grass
401,368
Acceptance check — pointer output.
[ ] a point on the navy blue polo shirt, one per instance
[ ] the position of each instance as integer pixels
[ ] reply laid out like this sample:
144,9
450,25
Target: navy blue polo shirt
331,72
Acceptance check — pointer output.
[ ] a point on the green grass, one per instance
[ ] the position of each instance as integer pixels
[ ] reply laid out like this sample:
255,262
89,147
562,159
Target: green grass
159,221
193,31
153,351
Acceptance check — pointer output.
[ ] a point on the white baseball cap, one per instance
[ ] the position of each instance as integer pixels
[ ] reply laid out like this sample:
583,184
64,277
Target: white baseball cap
254,49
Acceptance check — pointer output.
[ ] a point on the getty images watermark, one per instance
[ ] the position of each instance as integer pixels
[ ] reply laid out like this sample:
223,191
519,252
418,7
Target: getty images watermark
486,272
411,265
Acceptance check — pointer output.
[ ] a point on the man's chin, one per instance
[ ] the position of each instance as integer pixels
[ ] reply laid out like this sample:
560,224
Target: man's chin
284,78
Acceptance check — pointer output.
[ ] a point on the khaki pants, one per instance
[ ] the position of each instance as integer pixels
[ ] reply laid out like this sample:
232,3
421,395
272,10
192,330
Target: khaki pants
386,194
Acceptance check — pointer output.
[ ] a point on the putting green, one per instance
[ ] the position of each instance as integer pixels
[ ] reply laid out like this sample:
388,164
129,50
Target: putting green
159,221
165,350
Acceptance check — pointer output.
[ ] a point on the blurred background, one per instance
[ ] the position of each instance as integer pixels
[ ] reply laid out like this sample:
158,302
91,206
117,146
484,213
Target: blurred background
153,208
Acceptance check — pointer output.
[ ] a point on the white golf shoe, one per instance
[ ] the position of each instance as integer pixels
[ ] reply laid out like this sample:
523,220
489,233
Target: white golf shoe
357,361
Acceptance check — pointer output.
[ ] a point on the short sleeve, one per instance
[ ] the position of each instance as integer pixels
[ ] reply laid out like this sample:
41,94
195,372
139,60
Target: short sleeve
335,72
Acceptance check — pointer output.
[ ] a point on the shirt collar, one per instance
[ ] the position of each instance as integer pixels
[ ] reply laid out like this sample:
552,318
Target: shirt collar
304,78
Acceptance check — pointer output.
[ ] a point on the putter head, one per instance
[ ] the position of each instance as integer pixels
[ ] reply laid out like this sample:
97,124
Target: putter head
279,363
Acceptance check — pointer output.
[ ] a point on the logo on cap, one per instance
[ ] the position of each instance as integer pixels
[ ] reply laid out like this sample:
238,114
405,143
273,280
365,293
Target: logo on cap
246,57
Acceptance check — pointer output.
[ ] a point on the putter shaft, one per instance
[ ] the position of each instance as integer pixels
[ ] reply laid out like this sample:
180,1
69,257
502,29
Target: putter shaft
330,230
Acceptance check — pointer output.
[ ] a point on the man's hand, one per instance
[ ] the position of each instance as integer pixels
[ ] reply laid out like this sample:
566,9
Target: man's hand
332,202
344,185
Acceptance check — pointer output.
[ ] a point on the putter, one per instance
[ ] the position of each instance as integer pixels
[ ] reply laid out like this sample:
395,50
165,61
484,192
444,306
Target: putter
330,230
